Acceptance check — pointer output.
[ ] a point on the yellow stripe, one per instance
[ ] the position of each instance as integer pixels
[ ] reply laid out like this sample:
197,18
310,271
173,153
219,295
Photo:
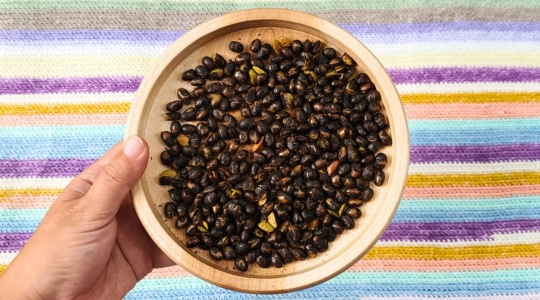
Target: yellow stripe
28,192
46,109
439,253
469,98
123,107
131,65
468,180
2,268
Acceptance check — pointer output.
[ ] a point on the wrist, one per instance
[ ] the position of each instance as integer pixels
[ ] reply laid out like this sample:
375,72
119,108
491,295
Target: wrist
14,284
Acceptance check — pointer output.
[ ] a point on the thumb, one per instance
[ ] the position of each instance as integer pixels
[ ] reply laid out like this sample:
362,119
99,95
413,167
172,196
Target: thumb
116,179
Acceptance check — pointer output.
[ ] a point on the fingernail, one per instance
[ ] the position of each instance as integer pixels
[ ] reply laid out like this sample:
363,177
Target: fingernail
133,147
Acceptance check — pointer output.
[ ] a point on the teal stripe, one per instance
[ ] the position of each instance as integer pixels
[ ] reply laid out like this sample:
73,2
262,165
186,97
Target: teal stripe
466,216
453,210
26,220
470,204
499,124
216,5
61,131
377,277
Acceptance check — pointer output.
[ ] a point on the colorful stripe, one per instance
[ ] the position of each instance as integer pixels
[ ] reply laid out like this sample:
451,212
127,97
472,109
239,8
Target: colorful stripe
120,65
71,146
461,111
68,85
468,73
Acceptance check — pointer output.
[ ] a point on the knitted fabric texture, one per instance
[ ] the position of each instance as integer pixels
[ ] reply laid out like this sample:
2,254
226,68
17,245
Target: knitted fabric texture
468,73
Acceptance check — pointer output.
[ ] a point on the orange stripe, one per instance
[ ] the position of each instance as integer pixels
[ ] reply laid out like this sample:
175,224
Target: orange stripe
405,265
75,119
471,191
62,109
484,97
472,111
174,271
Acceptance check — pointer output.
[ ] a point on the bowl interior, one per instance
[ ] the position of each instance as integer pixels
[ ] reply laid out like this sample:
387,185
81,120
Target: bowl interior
148,121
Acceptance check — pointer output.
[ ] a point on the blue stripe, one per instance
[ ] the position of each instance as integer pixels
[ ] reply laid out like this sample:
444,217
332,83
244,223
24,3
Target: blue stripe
57,147
92,147
473,137
465,215
405,214
488,124
456,204
61,131
532,124
351,285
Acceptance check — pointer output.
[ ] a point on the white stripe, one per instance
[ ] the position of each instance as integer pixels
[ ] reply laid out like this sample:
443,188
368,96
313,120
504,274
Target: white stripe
475,168
7,257
429,47
34,183
499,239
468,87
83,48
82,98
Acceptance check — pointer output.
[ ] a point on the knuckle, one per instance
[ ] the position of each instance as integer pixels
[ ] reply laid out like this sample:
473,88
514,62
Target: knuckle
113,175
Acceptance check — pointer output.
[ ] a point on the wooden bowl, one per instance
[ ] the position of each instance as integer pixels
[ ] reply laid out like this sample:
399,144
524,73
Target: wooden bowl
146,119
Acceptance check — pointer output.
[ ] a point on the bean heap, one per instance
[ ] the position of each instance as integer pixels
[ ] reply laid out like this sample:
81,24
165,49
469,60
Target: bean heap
287,178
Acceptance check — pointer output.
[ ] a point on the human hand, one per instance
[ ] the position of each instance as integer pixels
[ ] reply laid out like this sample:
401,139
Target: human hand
90,244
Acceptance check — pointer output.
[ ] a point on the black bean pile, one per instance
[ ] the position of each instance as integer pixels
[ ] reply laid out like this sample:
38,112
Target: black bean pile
287,177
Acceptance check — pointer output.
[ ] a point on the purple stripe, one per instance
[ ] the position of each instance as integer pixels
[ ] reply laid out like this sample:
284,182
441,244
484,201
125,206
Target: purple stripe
481,231
427,154
43,168
420,154
400,76
141,36
68,85
531,28
467,26
13,241
436,75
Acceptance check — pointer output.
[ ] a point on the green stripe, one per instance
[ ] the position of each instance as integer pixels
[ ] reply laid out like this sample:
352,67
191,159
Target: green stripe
227,5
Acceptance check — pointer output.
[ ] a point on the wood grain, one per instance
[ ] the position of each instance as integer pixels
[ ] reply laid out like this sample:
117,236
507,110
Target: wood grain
146,119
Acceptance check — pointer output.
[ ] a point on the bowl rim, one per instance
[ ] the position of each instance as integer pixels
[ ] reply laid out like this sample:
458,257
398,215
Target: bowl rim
316,275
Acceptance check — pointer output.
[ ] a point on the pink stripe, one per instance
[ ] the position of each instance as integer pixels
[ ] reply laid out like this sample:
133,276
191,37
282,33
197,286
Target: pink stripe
27,202
472,111
405,265
472,192
447,265
42,120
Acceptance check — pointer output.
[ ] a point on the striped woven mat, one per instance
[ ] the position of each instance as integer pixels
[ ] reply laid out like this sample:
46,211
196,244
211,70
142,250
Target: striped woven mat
468,73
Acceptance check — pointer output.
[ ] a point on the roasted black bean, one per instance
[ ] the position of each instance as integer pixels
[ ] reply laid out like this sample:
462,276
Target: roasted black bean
236,47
